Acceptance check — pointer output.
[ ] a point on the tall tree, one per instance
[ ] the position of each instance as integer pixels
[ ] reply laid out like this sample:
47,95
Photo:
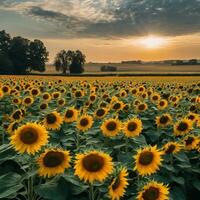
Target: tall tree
38,56
78,61
61,61
70,60
6,66
19,54
5,41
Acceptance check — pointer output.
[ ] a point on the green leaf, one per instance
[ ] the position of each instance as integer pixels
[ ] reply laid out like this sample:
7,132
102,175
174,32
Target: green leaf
182,157
177,193
10,184
196,184
179,180
57,188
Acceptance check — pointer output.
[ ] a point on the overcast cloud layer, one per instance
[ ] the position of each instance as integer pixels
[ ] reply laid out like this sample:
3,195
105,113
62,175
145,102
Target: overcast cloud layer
110,18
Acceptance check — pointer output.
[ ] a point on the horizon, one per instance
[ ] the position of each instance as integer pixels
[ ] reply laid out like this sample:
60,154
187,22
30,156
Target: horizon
108,31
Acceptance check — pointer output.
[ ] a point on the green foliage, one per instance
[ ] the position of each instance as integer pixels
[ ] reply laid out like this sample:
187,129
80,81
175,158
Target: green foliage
19,55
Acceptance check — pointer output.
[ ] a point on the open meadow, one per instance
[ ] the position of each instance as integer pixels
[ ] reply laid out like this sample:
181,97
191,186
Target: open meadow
78,138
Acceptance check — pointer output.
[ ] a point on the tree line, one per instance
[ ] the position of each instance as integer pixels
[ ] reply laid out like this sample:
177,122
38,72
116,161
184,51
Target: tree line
19,55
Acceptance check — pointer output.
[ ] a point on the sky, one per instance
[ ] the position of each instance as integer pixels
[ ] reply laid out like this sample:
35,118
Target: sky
108,30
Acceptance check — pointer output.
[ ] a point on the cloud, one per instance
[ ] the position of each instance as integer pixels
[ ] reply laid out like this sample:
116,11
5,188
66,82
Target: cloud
112,18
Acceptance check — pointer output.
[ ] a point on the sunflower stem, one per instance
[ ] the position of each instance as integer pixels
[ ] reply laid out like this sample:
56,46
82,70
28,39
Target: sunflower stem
126,142
91,193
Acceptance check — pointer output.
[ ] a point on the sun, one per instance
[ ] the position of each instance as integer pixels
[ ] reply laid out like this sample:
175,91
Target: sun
153,42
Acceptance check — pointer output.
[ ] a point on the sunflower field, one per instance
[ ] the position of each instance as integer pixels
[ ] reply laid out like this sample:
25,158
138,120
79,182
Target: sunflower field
112,138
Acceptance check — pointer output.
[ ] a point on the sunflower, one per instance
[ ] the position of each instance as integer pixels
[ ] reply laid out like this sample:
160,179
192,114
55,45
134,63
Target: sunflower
53,121
6,89
191,142
154,191
192,116
34,92
92,97
111,127
16,101
85,122
163,120
141,107
29,138
46,96
119,184
43,106
155,97
93,166
27,101
148,160
79,93
70,115
53,162
162,104
61,102
12,127
117,106
100,113
182,127
56,95
17,115
134,91
132,127
172,147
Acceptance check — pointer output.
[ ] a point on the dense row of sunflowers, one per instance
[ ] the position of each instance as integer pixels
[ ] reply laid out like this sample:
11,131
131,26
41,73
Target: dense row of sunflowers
99,139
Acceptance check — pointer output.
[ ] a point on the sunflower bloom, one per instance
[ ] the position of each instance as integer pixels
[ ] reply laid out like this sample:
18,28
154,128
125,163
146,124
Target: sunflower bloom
29,138
53,162
93,166
148,160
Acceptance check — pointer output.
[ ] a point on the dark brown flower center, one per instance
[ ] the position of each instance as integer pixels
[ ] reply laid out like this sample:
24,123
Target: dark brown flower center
51,118
170,149
151,194
93,163
183,126
132,126
100,112
117,106
29,136
53,159
16,100
141,107
5,89
15,126
189,140
61,101
162,103
56,95
34,92
191,117
46,96
164,119
146,158
155,98
92,98
43,106
78,94
69,114
111,126
116,183
27,100
16,115
84,122
134,91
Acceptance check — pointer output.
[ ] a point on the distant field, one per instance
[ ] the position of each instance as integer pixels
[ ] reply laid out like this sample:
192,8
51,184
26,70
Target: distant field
137,68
